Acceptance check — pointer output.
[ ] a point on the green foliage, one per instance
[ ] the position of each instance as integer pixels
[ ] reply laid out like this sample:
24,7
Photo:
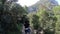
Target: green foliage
56,10
9,13
35,21
44,19
57,14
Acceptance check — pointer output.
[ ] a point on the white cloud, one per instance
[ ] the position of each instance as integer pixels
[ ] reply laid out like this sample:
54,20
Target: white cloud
27,2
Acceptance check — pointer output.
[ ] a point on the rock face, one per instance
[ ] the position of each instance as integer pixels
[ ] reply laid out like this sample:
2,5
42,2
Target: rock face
47,3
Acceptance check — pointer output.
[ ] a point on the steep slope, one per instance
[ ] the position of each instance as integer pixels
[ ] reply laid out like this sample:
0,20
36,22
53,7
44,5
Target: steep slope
41,4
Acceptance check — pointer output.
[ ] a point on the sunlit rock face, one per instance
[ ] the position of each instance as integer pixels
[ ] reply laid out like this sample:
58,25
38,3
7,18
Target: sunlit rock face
46,3
54,2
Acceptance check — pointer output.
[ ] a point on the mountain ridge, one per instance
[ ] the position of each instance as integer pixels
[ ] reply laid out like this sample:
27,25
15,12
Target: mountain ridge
35,7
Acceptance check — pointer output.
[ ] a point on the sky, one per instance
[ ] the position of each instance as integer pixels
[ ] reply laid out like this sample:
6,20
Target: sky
30,2
58,1
27,2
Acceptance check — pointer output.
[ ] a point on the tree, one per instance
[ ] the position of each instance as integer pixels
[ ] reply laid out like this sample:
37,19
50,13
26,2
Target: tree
57,14
26,8
47,21
35,22
9,15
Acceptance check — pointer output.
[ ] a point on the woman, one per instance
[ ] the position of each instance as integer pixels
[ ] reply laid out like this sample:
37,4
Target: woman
27,27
